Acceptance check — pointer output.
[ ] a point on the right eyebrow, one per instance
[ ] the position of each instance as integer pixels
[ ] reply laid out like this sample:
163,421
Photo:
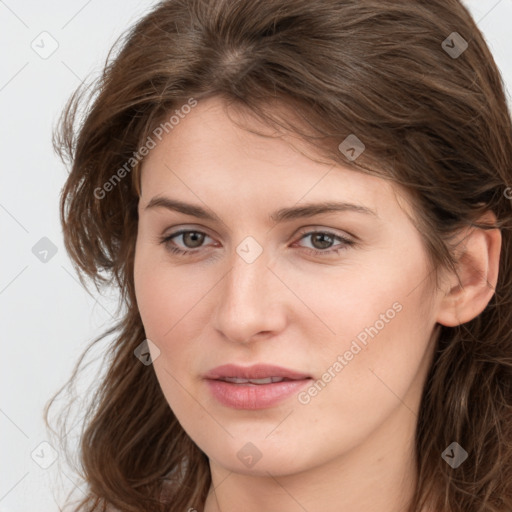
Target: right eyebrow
179,206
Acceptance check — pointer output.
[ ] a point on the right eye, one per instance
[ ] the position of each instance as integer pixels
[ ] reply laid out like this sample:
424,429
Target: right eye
188,237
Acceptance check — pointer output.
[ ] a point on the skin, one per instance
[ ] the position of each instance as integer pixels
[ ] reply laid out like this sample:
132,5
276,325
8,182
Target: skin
351,446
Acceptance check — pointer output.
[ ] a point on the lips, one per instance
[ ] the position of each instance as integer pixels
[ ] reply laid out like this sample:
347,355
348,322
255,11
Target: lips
255,373
267,380
254,387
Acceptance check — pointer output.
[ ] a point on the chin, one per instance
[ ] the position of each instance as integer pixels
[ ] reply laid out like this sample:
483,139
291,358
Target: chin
259,458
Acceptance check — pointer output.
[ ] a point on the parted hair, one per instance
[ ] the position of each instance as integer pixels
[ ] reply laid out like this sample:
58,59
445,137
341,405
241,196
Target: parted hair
432,121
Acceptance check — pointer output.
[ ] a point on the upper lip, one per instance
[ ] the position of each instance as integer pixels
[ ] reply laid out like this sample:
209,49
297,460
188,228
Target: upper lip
257,371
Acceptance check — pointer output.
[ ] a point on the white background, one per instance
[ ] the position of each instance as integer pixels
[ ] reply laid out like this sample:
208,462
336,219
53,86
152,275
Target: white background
47,317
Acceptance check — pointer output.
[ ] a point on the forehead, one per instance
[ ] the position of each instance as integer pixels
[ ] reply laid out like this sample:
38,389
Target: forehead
215,153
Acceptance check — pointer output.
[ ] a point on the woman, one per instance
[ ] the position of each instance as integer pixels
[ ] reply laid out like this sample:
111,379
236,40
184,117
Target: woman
304,205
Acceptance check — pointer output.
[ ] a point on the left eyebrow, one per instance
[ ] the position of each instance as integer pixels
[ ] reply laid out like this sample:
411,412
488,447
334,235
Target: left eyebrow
311,209
284,214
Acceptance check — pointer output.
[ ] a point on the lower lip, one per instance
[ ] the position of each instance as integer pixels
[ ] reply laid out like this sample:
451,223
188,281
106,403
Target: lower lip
254,396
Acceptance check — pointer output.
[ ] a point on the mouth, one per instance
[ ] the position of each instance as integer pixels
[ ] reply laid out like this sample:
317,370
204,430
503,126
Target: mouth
256,382
258,373
255,387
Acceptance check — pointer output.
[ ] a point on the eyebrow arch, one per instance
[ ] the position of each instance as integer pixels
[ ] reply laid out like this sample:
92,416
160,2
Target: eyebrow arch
180,206
310,209
284,214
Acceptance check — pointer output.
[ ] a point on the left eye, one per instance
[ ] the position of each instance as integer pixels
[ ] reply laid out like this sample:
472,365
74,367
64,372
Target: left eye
322,241
192,241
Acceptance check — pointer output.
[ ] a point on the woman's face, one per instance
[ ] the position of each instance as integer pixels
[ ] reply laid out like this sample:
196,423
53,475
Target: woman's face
337,298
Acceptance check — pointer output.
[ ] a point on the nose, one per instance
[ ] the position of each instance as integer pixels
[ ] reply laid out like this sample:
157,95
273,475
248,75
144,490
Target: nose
251,301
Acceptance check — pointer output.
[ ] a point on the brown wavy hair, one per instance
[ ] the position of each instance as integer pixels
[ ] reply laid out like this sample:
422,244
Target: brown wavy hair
434,123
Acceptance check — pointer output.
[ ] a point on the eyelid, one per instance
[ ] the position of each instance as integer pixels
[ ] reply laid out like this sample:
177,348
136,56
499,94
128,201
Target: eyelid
168,232
322,229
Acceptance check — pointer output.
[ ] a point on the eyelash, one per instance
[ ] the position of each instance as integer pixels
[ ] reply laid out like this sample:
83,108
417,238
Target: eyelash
167,241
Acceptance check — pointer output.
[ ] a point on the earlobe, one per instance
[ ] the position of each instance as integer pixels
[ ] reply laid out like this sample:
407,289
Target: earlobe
477,268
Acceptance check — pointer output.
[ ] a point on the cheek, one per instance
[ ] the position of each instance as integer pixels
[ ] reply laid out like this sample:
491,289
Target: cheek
380,322
384,371
161,296
354,300
166,301
151,295
170,301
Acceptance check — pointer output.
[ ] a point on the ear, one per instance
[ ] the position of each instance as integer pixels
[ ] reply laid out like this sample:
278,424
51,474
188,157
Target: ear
477,263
